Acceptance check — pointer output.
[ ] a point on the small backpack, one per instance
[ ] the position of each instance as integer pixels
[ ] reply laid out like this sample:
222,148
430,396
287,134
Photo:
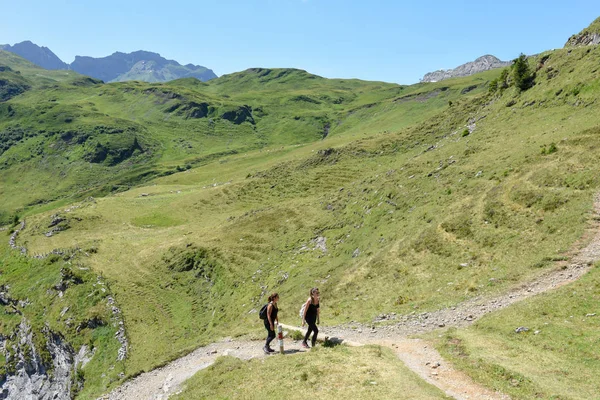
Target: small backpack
302,310
262,314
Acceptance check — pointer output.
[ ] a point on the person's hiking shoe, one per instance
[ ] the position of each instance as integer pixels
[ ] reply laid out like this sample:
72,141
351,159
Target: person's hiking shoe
270,350
305,345
266,350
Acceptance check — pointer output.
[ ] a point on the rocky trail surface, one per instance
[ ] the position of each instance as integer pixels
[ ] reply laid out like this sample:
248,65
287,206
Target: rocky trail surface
390,331
162,382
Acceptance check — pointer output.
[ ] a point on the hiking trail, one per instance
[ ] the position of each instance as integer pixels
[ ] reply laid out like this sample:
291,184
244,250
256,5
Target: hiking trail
418,355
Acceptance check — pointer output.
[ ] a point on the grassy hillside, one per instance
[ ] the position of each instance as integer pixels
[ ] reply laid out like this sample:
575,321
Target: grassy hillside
424,195
556,358
69,137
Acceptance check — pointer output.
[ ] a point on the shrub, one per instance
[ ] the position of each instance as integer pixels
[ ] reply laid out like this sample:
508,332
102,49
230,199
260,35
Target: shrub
503,79
553,201
8,219
460,226
551,149
430,241
190,257
296,335
494,212
577,89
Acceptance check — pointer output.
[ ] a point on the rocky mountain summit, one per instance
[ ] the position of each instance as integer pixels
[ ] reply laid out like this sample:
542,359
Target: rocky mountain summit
483,63
139,65
42,56
587,37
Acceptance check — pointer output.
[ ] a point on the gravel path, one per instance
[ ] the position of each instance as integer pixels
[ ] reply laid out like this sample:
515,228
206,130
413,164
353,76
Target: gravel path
162,382
417,354
422,358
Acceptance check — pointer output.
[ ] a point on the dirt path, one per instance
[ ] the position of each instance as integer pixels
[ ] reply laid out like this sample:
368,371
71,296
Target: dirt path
417,354
162,382
423,359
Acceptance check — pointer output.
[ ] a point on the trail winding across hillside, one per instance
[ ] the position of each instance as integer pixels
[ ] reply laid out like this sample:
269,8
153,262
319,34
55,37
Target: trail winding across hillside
417,354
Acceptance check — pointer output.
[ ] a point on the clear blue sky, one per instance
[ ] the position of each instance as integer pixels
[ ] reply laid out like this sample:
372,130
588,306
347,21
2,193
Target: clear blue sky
387,40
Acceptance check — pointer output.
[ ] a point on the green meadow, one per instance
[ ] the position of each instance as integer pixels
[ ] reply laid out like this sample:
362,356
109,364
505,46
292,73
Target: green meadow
556,358
194,201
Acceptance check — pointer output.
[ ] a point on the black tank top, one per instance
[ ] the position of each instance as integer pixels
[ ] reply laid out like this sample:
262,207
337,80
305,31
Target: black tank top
312,310
274,311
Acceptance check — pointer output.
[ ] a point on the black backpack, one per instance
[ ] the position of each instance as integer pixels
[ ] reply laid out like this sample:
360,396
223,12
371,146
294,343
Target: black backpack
262,314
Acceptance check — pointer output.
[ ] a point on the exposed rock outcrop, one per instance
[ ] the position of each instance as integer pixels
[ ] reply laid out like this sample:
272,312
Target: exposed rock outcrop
483,63
121,336
36,377
587,37
12,242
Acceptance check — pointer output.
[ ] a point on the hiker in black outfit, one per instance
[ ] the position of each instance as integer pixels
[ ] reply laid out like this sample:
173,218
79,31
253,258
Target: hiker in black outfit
270,321
311,317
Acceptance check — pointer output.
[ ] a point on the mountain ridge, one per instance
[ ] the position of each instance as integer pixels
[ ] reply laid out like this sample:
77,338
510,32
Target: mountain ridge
39,55
138,65
118,67
483,63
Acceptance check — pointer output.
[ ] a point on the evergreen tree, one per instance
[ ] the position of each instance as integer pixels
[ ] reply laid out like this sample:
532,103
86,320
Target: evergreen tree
522,75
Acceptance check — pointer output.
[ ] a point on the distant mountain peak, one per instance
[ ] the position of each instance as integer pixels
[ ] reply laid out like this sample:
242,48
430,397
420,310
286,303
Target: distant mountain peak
132,66
39,55
118,66
480,64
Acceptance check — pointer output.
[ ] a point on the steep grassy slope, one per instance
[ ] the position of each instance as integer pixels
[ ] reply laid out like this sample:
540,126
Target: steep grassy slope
469,202
556,357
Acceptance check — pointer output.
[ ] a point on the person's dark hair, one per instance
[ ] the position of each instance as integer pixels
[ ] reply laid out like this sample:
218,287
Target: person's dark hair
273,297
312,292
